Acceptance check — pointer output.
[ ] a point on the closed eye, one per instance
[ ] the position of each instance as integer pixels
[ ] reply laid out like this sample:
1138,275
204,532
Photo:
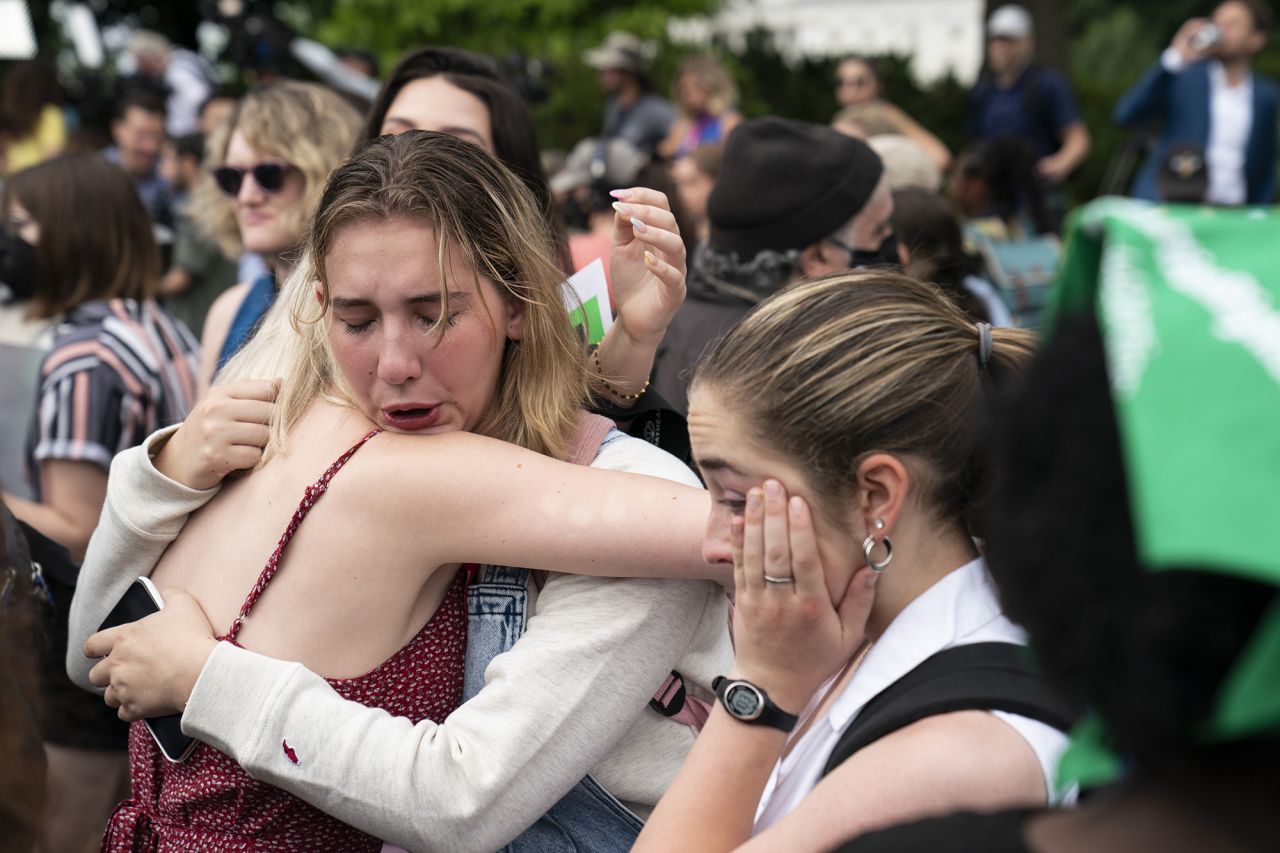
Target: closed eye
431,322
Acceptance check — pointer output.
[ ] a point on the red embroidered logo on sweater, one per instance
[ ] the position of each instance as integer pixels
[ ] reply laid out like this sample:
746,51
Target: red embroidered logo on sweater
289,753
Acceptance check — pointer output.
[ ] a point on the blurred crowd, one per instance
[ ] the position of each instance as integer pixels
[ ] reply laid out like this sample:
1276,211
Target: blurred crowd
831,324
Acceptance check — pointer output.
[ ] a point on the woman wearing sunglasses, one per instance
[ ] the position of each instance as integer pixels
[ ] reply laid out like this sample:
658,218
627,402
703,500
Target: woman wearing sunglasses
272,160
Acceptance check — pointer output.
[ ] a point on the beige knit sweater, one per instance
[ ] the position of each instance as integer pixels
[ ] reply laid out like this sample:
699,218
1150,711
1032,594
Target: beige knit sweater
569,699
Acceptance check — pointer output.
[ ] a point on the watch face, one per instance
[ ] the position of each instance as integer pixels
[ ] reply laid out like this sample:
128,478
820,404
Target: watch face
743,701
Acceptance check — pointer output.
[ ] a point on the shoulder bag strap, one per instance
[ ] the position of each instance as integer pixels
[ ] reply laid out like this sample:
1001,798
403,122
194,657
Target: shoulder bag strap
975,677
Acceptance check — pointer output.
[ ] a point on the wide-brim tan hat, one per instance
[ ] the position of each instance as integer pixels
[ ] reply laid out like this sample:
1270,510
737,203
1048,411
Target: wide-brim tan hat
620,52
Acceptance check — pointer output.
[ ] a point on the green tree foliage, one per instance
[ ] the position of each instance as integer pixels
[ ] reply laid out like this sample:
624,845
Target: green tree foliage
555,32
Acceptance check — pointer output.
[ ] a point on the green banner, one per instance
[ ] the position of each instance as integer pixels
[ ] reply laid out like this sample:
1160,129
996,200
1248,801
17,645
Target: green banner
1188,301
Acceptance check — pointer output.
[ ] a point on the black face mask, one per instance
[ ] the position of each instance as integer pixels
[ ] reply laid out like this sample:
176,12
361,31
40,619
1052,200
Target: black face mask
886,255
17,266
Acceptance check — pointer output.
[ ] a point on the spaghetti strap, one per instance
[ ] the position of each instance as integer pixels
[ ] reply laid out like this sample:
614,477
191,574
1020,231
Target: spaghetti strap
309,498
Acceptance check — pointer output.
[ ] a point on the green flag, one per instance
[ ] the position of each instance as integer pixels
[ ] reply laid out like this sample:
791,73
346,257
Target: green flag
1188,303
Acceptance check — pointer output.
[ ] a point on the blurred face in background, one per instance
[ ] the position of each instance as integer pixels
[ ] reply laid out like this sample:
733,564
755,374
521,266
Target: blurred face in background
216,113
693,95
261,212
1007,56
433,103
139,135
856,83
694,186
615,80
1240,37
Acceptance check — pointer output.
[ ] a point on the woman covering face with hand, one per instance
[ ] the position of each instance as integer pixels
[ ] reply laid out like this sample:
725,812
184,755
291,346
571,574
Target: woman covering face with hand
843,500
440,312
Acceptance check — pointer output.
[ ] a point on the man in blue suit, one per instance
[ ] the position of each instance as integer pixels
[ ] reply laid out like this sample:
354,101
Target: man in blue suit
1206,93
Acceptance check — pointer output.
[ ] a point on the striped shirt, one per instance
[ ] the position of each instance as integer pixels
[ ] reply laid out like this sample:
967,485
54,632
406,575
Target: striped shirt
117,371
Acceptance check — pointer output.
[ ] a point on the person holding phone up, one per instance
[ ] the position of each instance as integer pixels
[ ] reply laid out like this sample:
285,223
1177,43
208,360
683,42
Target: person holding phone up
1205,92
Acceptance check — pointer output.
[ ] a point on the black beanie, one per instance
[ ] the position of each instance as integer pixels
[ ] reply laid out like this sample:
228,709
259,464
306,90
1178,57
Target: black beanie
786,184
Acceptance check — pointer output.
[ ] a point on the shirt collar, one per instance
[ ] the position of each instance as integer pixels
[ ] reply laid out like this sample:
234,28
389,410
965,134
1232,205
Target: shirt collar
1218,78
959,604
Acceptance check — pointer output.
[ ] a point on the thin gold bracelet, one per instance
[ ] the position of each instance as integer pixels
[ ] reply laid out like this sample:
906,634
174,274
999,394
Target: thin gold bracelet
614,392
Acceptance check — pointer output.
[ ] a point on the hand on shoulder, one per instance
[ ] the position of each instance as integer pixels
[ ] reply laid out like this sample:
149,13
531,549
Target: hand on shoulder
226,431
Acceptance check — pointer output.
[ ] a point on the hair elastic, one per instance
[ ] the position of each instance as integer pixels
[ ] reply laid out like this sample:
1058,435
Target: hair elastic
984,344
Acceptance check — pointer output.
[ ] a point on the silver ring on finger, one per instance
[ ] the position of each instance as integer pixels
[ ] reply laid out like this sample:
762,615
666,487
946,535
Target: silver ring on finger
772,579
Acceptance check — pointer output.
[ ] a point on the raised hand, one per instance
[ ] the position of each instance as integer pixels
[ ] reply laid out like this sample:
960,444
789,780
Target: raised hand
647,266
1183,41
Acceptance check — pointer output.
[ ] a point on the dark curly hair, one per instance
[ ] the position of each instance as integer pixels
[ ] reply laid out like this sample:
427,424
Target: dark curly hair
1148,651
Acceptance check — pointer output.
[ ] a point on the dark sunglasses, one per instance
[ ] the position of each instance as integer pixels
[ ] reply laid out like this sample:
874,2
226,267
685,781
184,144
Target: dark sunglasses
269,176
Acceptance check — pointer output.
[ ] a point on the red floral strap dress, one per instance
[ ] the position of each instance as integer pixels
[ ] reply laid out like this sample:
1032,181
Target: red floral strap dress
208,803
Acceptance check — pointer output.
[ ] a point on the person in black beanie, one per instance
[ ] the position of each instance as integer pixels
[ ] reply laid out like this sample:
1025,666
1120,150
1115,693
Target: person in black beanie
793,200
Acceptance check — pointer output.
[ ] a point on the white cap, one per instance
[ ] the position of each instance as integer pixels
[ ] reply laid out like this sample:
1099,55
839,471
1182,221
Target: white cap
1011,22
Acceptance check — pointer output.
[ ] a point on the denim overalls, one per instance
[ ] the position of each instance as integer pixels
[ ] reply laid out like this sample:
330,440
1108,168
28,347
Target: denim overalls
588,819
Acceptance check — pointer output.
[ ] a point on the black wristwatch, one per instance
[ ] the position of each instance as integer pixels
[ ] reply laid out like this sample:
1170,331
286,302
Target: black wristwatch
748,703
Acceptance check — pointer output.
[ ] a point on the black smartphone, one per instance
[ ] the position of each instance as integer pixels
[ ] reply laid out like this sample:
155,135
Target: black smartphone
142,599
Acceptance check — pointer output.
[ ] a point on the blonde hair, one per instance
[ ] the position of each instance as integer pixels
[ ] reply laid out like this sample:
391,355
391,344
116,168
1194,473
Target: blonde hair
475,205
306,125
722,92
868,361
870,119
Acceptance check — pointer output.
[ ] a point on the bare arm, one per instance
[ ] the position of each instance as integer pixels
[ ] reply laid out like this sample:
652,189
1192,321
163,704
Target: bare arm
73,492
667,148
1075,147
175,281
933,146
493,502
217,324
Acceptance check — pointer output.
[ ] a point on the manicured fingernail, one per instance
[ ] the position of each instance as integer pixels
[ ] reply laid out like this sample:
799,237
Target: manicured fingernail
773,488
797,506
873,579
620,193
753,499
649,260
624,209
638,225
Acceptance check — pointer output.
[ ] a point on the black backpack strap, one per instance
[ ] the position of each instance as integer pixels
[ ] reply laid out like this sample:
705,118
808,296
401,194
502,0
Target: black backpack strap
975,677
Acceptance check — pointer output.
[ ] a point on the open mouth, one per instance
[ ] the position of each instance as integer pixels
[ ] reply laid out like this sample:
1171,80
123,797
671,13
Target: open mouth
412,418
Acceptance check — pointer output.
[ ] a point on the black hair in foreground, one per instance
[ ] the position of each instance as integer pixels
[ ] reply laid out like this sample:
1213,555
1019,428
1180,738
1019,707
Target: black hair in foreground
1148,651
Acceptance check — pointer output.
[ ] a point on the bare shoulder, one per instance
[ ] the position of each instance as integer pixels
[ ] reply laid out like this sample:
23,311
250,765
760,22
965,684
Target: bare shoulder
223,310
229,300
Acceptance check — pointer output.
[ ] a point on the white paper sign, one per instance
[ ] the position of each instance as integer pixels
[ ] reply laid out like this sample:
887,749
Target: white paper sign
587,298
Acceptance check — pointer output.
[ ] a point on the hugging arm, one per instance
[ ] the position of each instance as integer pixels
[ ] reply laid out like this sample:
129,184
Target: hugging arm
494,503
128,541
551,708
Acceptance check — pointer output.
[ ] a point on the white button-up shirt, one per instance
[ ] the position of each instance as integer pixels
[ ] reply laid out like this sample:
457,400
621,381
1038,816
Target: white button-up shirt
958,610
1230,122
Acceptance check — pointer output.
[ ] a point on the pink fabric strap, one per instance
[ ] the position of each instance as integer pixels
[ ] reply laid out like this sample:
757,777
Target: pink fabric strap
586,443
673,701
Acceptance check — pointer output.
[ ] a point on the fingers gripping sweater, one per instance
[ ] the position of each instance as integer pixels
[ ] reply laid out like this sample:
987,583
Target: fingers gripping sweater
569,699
